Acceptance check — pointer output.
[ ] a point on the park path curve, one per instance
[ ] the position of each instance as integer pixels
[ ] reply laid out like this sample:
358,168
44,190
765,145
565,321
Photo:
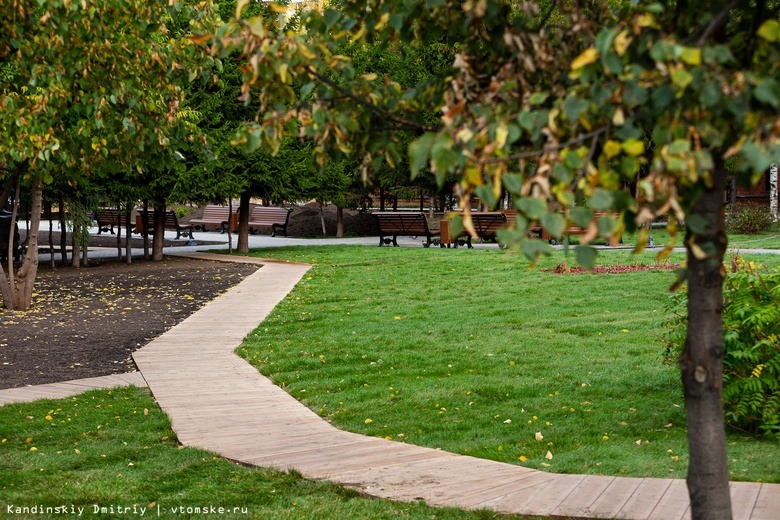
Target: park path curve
219,402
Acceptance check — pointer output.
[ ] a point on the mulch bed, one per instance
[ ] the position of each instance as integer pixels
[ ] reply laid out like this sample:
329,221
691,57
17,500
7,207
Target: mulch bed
610,269
86,322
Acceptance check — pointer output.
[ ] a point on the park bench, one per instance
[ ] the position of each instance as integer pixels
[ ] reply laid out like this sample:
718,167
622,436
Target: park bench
269,217
410,224
171,222
106,219
218,216
486,224
576,230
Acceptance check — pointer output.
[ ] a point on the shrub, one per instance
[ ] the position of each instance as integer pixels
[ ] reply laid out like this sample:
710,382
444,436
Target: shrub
751,334
747,219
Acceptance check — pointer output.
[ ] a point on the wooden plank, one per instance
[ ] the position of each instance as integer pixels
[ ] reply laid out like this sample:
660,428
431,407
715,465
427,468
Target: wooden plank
645,499
743,499
615,497
768,503
674,505
578,503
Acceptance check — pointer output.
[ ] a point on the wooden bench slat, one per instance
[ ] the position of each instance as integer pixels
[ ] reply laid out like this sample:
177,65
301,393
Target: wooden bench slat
171,222
270,217
404,224
214,215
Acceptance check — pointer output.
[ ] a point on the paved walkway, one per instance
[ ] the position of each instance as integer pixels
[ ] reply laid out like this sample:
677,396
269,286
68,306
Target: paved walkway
219,402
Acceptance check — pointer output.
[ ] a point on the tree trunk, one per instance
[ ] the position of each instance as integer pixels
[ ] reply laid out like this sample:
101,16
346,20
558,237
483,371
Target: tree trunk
322,219
243,224
159,232
75,256
773,193
51,239
339,222
145,219
701,363
128,237
63,235
29,269
119,232
5,290
230,226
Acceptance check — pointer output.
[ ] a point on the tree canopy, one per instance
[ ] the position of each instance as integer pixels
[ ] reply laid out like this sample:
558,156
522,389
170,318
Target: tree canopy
563,106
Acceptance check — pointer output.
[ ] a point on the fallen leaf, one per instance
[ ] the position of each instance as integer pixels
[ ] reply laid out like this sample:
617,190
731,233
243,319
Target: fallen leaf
549,455
539,436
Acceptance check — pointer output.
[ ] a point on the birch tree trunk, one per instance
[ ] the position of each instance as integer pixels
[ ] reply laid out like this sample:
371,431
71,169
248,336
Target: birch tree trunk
29,269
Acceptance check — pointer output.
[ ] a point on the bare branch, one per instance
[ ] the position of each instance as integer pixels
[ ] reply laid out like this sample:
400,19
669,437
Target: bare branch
546,149
716,22
371,106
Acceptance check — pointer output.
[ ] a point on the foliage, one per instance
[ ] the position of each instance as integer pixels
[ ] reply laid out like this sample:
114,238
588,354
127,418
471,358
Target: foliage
747,219
751,362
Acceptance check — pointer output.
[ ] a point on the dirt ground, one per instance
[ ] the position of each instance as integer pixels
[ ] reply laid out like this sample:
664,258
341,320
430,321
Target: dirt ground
86,322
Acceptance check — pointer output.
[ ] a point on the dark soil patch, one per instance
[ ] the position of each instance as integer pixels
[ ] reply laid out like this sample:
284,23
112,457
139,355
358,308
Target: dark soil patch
87,322
610,269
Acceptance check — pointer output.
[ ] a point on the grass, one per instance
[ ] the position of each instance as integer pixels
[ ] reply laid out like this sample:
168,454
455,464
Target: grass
470,352
768,239
115,449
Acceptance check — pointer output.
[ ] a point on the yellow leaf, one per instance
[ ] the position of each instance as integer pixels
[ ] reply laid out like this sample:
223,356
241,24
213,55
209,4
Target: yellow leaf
522,458
622,41
369,77
146,411
611,149
645,20
539,436
48,417
549,455
278,8
633,147
33,449
502,132
240,7
587,57
368,421
691,55
770,30
605,438
76,450
283,72
618,118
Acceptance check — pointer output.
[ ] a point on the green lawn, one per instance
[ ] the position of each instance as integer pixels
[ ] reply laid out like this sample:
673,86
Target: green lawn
470,351
115,449
769,239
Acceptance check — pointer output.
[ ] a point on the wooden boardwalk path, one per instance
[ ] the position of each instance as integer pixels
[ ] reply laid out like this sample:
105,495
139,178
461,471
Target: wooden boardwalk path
26,394
219,402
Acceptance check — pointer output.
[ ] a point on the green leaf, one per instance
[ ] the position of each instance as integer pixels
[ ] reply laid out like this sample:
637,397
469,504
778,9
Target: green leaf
768,91
681,78
485,192
679,147
710,95
554,223
581,217
696,223
662,97
331,17
606,225
418,152
533,248
574,108
532,207
561,173
443,156
537,98
512,182
601,199
586,256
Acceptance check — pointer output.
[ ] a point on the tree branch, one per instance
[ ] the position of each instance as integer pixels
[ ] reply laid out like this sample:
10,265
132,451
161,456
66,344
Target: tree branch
369,105
546,149
716,22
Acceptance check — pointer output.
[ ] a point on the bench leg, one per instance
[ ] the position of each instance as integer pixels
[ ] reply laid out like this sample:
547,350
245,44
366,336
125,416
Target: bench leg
395,244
